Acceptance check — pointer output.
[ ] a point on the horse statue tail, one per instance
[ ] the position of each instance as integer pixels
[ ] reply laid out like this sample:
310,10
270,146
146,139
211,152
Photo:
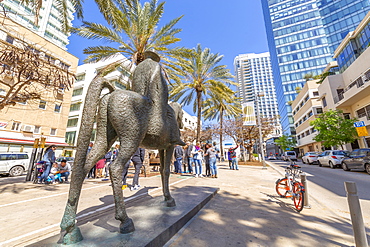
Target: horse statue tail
89,112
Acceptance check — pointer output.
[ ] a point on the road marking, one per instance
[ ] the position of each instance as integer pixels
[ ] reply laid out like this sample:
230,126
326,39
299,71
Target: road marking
83,215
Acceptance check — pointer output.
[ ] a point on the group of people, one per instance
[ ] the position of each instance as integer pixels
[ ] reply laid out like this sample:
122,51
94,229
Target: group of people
194,155
101,168
52,171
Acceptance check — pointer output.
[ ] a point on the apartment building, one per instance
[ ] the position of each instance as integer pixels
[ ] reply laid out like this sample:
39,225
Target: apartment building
254,75
46,117
48,25
306,107
84,75
352,87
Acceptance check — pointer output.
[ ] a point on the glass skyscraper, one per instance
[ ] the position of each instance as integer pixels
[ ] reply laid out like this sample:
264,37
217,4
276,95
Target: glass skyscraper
302,36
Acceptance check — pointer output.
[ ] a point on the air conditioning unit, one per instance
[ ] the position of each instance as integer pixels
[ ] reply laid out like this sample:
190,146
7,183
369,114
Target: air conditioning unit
28,128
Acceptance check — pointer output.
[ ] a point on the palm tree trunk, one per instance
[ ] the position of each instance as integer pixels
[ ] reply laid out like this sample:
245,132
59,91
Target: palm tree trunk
199,113
221,128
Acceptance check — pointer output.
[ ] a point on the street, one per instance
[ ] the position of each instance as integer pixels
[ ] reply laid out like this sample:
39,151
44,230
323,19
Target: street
326,185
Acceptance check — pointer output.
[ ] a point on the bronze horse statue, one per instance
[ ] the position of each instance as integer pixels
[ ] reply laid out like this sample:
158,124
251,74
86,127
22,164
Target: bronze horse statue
141,117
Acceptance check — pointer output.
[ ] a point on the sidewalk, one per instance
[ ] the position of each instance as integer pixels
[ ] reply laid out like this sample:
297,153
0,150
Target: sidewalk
247,212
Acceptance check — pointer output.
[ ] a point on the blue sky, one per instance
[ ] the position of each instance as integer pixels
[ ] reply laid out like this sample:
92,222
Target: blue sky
226,27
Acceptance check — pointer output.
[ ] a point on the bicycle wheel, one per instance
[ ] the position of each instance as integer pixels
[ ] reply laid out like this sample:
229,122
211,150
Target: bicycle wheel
298,196
282,188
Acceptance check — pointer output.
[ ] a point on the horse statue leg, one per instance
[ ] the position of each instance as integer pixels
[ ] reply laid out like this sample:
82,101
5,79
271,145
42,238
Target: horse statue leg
116,169
165,159
105,138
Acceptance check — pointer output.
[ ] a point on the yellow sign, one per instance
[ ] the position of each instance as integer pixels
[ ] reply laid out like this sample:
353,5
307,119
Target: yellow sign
362,131
43,140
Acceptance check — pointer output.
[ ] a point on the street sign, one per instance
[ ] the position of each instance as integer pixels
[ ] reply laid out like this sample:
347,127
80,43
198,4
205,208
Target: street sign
359,124
362,131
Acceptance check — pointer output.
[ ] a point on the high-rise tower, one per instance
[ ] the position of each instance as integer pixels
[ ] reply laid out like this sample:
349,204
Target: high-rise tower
302,36
254,75
49,23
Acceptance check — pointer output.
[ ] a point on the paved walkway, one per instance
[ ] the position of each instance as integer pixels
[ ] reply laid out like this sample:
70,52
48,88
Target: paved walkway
245,212
248,212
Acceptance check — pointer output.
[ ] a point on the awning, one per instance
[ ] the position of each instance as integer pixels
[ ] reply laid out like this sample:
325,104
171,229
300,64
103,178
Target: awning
30,142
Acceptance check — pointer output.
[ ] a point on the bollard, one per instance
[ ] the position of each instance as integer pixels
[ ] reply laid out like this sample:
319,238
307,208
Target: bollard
305,194
356,214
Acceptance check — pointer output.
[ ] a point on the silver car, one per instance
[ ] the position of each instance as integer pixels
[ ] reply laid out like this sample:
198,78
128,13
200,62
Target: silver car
332,158
310,158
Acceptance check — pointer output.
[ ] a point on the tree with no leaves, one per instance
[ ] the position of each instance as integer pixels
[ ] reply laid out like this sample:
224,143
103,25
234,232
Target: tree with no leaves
27,74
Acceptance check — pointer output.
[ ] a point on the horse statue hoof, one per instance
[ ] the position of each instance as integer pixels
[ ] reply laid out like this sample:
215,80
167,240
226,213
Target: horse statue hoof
72,237
127,226
171,203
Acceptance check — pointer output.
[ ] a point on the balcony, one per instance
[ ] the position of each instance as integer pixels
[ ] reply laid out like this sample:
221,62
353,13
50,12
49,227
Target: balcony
358,89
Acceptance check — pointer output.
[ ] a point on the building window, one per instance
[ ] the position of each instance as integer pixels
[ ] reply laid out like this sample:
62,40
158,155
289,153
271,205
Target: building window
324,104
71,137
53,132
77,92
80,77
316,94
22,102
42,104
16,126
72,122
9,39
347,115
37,130
57,108
318,110
75,107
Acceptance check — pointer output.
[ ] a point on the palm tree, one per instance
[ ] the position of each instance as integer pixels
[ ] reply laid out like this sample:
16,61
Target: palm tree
134,29
222,104
198,75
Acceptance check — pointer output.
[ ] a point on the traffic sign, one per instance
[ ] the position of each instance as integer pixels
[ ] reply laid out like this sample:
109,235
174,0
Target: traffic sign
362,131
359,124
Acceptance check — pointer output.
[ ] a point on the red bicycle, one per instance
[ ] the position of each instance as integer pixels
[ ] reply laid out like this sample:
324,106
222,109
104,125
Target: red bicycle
289,187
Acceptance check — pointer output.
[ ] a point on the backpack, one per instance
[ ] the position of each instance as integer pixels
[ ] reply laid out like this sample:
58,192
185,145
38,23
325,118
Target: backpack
108,155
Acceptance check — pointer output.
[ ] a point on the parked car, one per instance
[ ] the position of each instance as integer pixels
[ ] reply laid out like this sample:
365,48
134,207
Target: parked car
272,157
70,160
14,164
310,158
357,159
289,155
332,158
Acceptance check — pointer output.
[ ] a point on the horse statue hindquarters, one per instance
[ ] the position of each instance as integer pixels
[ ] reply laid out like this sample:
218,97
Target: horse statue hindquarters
141,117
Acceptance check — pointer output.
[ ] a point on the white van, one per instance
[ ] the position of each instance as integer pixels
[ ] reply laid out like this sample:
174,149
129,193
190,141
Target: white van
14,164
290,155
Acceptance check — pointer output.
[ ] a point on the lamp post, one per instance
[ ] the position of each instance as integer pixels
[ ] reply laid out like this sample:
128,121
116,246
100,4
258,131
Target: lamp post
260,94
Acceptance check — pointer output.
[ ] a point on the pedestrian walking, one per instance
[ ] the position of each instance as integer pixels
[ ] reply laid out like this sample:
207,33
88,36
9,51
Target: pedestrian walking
178,155
108,158
92,171
137,159
229,158
211,154
234,159
198,158
206,160
190,159
99,168
49,159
